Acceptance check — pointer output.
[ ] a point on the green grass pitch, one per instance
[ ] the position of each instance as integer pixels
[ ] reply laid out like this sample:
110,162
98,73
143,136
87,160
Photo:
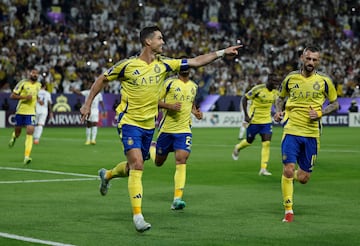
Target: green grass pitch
56,198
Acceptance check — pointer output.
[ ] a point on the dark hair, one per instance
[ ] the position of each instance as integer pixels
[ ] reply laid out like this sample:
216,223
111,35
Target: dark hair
312,49
147,32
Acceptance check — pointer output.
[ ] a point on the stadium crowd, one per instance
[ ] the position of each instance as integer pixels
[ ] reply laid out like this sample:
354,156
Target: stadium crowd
72,41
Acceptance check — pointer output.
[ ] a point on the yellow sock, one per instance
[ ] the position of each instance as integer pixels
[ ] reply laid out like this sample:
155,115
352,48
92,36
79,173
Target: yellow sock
135,190
287,189
265,154
152,153
118,171
243,144
179,180
28,145
13,135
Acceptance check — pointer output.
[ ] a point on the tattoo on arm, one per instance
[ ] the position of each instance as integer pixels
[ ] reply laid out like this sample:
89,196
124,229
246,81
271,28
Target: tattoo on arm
279,104
330,108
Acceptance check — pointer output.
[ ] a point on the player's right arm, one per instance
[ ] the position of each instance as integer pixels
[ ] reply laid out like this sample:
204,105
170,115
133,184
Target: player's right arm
16,93
279,105
18,97
97,86
244,103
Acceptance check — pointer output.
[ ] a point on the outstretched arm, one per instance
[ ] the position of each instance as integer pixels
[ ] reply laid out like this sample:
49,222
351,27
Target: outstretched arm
205,59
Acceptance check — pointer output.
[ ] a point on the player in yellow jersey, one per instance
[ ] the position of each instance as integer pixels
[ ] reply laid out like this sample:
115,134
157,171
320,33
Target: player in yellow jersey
26,91
178,102
305,92
263,97
141,79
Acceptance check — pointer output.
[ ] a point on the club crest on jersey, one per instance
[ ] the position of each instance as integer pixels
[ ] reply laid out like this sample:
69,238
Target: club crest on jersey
157,68
316,86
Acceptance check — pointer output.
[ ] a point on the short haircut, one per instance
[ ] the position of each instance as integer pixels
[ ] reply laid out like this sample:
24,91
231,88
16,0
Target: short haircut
147,32
312,49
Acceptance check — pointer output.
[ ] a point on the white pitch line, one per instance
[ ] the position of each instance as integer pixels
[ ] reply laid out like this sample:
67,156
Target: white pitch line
44,180
47,171
33,240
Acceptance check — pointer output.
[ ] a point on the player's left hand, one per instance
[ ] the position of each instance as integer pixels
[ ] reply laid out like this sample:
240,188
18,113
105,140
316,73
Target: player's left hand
198,114
314,115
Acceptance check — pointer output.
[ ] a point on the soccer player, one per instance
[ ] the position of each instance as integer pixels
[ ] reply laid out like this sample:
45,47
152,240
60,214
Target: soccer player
26,91
93,120
305,92
43,109
175,135
258,117
141,78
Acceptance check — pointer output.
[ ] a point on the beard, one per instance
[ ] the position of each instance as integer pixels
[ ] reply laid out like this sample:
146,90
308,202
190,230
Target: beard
309,68
33,78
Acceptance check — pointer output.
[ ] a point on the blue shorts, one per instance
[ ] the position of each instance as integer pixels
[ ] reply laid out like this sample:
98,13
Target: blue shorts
168,142
300,150
134,137
254,129
24,120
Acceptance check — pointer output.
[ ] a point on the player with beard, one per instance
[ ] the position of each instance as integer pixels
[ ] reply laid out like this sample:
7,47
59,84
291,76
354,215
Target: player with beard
26,91
305,92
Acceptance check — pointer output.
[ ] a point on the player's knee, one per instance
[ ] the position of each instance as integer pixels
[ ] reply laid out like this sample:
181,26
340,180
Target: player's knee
289,171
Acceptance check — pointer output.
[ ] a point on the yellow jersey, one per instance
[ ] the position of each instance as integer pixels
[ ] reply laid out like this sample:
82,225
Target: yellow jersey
24,88
140,87
302,94
176,90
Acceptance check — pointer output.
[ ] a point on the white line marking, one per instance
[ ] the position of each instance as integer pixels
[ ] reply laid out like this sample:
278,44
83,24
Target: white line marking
33,240
44,180
47,171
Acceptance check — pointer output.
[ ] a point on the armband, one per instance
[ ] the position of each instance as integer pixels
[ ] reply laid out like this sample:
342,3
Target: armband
220,53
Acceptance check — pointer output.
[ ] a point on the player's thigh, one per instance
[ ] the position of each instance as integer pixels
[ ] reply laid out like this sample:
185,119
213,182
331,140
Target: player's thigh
251,131
290,149
164,144
134,137
308,156
265,132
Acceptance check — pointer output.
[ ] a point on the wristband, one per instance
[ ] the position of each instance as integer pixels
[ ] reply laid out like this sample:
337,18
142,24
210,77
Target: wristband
220,53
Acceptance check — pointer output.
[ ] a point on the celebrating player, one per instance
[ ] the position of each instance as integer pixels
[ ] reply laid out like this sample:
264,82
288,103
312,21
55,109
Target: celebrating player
175,129
141,79
305,91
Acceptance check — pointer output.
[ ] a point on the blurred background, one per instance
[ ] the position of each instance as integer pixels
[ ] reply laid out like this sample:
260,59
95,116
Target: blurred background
72,41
